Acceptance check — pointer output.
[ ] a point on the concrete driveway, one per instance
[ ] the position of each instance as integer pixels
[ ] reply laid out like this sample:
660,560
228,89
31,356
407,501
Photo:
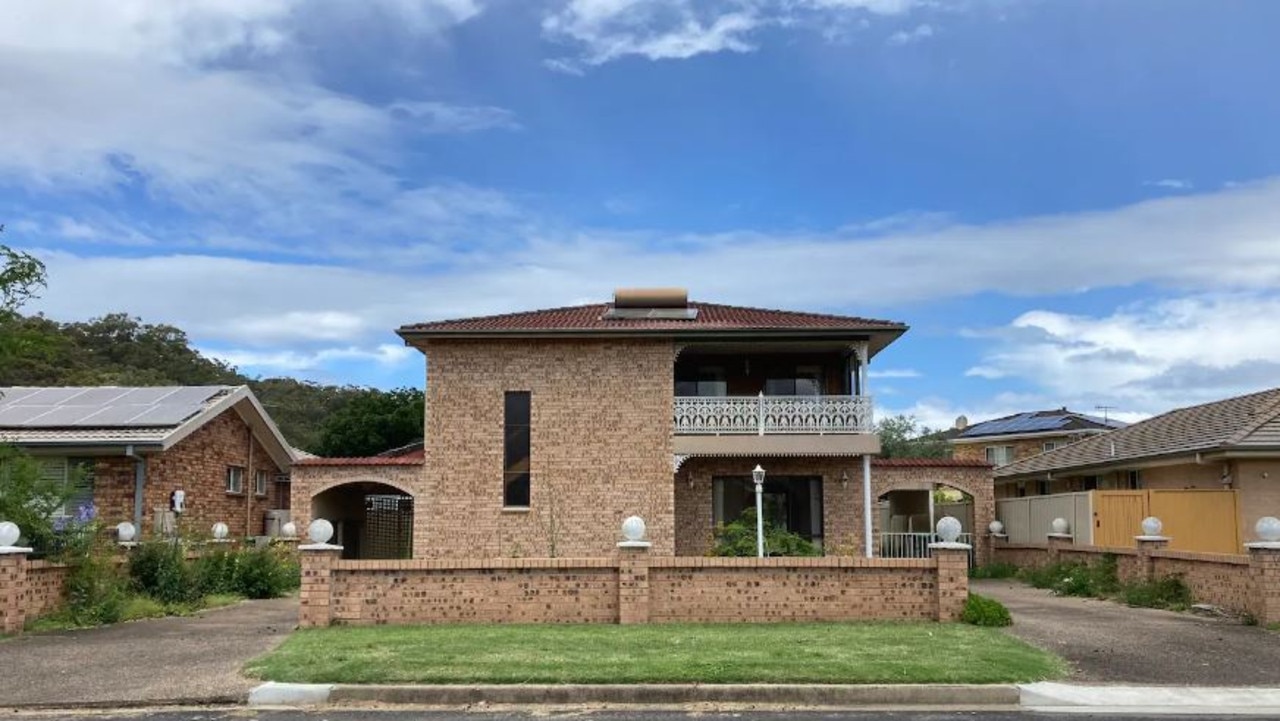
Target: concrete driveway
1107,642
164,660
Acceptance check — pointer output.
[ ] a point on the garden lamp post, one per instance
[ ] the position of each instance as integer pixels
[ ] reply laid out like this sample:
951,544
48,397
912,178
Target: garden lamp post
757,475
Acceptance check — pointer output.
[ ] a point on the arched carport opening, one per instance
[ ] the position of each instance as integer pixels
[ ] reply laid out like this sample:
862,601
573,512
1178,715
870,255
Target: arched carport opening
370,520
908,517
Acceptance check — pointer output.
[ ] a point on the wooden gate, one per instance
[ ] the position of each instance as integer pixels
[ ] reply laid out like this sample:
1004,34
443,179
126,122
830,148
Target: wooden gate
1117,517
1199,520
1206,521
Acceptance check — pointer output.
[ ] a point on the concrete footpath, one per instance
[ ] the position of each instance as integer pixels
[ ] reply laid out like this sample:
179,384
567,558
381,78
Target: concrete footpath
162,661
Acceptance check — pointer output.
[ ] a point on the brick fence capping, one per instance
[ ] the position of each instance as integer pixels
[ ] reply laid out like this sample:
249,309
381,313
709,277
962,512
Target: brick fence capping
631,587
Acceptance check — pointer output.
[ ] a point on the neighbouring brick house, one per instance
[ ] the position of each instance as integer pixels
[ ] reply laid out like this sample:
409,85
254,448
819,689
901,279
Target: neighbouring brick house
1002,441
1231,444
135,446
545,429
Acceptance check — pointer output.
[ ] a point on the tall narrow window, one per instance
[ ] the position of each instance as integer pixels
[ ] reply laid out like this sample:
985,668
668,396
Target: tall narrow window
516,446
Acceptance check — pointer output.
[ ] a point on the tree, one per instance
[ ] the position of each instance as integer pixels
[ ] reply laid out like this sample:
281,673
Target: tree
22,276
902,436
372,422
29,497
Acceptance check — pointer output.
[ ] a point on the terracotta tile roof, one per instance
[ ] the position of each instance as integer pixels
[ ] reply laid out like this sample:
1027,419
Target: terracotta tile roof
710,316
1244,421
927,463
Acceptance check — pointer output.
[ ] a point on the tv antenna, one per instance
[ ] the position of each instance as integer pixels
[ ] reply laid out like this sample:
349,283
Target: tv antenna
1106,411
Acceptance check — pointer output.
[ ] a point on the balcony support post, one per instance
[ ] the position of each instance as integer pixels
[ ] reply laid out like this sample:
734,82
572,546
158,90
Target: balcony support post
867,510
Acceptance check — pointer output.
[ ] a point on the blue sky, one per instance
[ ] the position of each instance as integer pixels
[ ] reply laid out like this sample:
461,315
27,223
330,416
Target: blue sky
1072,203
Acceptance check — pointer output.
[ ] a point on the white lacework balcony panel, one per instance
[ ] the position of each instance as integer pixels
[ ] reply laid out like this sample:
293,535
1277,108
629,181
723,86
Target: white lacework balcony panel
763,415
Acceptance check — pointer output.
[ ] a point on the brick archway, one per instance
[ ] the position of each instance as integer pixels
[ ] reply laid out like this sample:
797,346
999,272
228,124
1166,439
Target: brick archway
974,479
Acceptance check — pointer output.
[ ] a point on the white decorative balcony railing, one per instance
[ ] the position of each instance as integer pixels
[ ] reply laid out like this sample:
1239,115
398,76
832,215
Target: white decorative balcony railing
702,415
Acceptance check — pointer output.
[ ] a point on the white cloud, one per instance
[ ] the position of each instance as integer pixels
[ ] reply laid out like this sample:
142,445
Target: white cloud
1147,357
915,35
894,373
607,30
290,361
189,32
1170,184
1188,244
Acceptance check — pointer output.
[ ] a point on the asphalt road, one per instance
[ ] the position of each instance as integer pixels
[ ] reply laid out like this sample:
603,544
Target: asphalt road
242,714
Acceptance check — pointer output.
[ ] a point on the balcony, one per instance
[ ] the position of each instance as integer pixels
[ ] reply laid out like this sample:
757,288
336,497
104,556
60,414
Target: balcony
767,415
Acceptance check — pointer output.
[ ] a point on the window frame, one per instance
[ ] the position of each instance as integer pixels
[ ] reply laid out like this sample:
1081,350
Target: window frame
234,481
517,477
995,462
261,483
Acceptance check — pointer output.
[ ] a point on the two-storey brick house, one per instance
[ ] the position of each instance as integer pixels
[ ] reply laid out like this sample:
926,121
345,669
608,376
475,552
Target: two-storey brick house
544,429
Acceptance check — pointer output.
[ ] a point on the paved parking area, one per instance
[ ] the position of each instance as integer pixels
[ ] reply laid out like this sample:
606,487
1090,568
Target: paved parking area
1110,643
161,660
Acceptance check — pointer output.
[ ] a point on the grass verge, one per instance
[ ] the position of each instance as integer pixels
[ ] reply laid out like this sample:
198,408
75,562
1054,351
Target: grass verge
844,653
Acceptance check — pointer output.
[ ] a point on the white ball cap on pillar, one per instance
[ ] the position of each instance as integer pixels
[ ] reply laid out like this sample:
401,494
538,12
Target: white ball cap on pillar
320,531
9,533
220,530
289,530
1268,529
1060,526
126,532
1152,526
996,527
949,529
633,528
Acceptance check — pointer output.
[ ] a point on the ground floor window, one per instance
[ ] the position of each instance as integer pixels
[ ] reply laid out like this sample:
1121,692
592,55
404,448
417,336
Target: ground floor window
790,502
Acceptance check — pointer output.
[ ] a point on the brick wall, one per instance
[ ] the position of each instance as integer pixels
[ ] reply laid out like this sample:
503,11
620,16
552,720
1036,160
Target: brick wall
46,587
1227,581
1024,448
601,447
198,465
659,589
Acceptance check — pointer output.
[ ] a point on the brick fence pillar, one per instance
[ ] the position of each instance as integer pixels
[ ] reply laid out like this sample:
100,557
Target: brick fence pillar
1147,547
316,595
633,583
1264,572
1057,542
952,583
14,592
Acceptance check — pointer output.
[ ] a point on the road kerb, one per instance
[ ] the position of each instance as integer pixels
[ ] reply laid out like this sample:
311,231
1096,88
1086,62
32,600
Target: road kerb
654,694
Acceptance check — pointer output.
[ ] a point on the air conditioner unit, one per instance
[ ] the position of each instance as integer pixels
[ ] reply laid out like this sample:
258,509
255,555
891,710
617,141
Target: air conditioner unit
274,521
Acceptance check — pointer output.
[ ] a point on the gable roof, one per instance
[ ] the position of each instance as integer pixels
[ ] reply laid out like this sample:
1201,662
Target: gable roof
155,417
1248,422
1059,420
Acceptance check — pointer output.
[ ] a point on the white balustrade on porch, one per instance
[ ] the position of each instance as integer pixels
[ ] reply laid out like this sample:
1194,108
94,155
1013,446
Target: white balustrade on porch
913,545
773,414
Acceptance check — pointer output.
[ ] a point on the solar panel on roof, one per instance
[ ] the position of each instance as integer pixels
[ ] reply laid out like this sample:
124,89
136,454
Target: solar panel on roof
147,396
14,394
112,407
98,396
166,414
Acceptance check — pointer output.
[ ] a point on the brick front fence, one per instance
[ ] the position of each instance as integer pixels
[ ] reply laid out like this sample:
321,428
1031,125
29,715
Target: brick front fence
1244,584
632,588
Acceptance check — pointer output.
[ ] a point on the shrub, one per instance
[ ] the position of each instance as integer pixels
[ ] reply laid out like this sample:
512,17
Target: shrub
261,573
1071,578
160,570
215,572
1168,592
983,611
95,591
994,570
739,539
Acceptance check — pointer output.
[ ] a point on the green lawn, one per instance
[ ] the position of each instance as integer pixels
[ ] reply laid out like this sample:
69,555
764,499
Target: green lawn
848,653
